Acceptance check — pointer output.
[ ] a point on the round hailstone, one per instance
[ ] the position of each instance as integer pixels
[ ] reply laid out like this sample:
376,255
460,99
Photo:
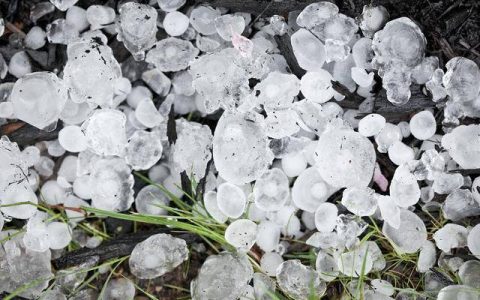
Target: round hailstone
345,158
460,204
326,217
72,139
387,137
371,125
457,292
404,188
294,164
59,235
240,147
10,199
105,132
157,255
202,19
463,145
241,234
299,281
172,54
211,206
119,289
389,210
277,90
411,234
423,125
222,277
450,236
310,190
360,201
473,240
268,235
356,262
469,273
427,257
317,86
326,266
270,262
382,286
271,190
231,200
151,200
399,153
147,114
308,50
38,99
175,23
144,150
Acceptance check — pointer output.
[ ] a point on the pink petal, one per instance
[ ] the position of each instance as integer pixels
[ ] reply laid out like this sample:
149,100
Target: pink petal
380,179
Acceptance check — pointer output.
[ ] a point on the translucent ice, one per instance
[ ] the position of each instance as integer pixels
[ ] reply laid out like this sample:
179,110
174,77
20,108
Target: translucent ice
463,145
143,150
211,206
172,54
202,19
469,273
61,32
460,204
137,27
461,80
231,200
35,38
277,90
411,234
371,125
157,255
271,190
310,190
151,200
19,64
345,158
404,188
170,5
241,234
72,139
360,201
326,217
175,23
228,25
268,235
270,262
299,281
119,289
372,19
317,86
308,49
423,125
99,16
63,5
450,236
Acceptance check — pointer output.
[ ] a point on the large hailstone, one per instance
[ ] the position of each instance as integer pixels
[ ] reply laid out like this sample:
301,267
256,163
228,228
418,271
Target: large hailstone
410,235
192,149
38,99
105,132
91,72
299,281
345,158
308,50
310,190
461,80
463,145
112,184
241,234
240,147
271,190
137,27
157,255
450,236
222,277
360,200
277,90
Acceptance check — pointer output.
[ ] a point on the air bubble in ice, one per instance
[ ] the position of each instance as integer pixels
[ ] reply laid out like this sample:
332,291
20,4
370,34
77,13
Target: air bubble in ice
310,190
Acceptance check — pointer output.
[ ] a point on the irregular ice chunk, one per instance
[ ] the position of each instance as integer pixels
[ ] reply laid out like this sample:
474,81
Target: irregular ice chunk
326,266
317,86
427,257
277,90
326,217
308,50
387,137
473,240
144,149
193,148
175,23
229,25
270,262
461,79
345,158
241,234
202,19
299,281
460,204
222,277
72,139
310,190
147,114
38,99
424,71
172,54
240,149
105,132
423,125
271,190
469,273
316,14
151,200
399,153
361,77
362,53
371,125
157,255
411,234
112,184
356,262
268,235
452,292
463,145
61,32
372,19
231,200
59,235
99,15
360,201
91,72
19,64
450,236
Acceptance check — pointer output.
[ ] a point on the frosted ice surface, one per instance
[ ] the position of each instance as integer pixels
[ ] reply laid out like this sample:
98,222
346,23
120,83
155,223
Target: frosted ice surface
473,240
424,71
423,125
61,32
63,5
202,19
35,38
469,273
151,200
308,50
147,114
411,234
193,148
461,79
316,14
299,281
175,23
277,90
317,86
112,184
372,19
38,99
427,257
271,190
404,187
463,145
72,139
240,149
452,292
222,277
157,255
326,266
389,134
99,16
450,236
172,54
241,234
460,204
119,289
137,27
326,217
399,153
211,206
231,200
345,158
170,5
270,262
144,149
371,125
361,77
310,190
389,210
91,72
19,65
77,17
105,132
268,235
59,235
360,200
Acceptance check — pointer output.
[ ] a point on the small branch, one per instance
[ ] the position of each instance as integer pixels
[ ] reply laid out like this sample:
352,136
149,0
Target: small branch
24,134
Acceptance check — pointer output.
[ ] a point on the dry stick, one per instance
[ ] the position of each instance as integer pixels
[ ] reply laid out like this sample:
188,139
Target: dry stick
24,134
